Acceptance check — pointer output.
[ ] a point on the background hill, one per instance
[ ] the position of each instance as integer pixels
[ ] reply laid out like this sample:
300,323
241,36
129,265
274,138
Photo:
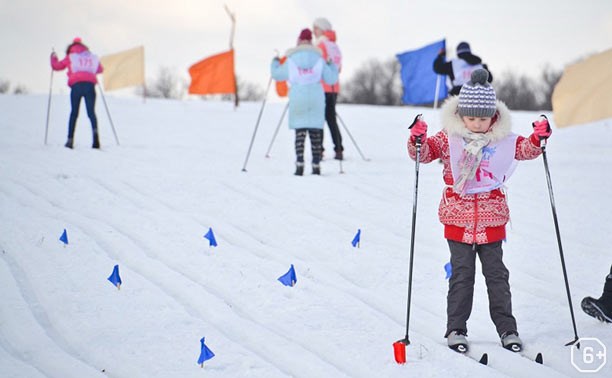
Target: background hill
146,204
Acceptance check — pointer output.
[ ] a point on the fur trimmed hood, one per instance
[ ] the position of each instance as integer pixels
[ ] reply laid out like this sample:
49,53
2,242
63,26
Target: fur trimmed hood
305,47
454,126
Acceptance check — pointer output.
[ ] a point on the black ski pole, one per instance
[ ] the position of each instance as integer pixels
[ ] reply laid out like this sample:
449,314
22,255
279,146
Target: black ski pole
351,136
49,104
263,104
554,213
108,114
406,340
280,122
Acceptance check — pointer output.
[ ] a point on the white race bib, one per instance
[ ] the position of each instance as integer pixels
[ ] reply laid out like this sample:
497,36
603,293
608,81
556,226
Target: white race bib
333,53
462,71
299,75
84,62
496,166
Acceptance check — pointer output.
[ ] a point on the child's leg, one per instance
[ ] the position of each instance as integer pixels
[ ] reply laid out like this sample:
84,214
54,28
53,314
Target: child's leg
460,286
90,104
496,277
76,93
300,138
316,141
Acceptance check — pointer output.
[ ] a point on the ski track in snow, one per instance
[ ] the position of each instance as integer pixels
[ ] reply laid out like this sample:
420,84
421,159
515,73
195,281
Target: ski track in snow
215,292
152,221
194,310
37,319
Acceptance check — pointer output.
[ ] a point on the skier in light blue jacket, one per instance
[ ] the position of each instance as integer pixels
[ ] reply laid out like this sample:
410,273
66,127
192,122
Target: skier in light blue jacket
304,69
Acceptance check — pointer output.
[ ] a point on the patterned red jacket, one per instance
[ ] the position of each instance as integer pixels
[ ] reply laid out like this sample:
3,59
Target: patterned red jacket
472,218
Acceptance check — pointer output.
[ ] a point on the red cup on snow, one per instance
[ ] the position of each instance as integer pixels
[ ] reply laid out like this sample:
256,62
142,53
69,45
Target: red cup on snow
399,350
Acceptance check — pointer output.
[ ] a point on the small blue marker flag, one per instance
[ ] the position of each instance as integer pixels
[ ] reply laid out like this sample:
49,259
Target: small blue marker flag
205,354
211,238
114,277
64,237
357,238
449,270
289,278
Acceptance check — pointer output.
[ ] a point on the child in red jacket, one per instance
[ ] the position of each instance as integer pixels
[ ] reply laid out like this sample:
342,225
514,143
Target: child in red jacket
82,68
479,153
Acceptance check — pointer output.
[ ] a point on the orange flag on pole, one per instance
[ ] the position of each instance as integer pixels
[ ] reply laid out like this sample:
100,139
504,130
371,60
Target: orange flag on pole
213,75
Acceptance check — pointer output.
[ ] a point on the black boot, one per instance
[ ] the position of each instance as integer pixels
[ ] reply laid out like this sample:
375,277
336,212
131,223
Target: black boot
600,309
316,169
299,169
96,140
69,143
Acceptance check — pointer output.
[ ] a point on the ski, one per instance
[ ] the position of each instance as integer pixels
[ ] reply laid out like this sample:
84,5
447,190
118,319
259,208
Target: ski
539,359
484,359
462,349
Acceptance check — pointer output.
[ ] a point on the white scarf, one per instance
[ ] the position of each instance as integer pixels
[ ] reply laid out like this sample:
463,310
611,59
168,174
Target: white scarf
470,160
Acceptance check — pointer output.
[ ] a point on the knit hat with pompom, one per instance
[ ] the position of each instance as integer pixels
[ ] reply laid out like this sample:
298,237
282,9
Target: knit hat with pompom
477,97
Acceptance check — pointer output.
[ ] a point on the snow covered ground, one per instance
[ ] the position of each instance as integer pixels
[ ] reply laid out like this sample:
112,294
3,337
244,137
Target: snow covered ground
146,204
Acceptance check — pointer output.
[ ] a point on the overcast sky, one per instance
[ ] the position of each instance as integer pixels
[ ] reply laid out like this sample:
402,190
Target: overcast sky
519,35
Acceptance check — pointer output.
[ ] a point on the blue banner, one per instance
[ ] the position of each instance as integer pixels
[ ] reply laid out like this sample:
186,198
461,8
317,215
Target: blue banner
418,77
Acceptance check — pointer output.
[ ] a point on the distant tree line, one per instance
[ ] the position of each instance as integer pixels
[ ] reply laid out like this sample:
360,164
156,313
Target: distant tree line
5,87
379,83
168,84
375,83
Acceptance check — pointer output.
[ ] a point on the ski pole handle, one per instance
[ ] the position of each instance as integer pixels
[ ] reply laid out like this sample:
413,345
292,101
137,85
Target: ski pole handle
418,118
542,138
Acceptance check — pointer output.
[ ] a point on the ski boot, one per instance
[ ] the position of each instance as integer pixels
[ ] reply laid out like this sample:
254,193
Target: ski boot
457,340
511,341
600,309
597,309
316,169
339,154
69,143
299,169
96,140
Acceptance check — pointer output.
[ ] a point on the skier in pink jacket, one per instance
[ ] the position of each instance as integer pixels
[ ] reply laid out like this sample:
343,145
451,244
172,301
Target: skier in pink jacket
82,68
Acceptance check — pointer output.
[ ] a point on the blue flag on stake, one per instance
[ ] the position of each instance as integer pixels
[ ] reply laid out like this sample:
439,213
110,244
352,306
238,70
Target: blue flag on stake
211,238
418,77
114,277
205,353
64,237
357,238
449,270
289,278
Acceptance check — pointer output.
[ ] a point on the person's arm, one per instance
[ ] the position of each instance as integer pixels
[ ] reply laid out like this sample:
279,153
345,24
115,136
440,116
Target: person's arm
530,148
330,73
431,148
490,79
279,71
441,67
57,64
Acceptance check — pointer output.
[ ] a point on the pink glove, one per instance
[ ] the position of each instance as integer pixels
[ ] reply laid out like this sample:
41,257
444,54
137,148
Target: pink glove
418,129
541,128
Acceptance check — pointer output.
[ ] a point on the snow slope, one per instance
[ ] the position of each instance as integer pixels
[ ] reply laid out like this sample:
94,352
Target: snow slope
146,204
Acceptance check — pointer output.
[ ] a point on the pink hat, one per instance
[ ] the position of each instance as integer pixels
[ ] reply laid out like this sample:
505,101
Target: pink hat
77,40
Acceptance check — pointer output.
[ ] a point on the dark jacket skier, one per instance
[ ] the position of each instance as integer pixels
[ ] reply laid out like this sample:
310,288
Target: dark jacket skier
460,69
